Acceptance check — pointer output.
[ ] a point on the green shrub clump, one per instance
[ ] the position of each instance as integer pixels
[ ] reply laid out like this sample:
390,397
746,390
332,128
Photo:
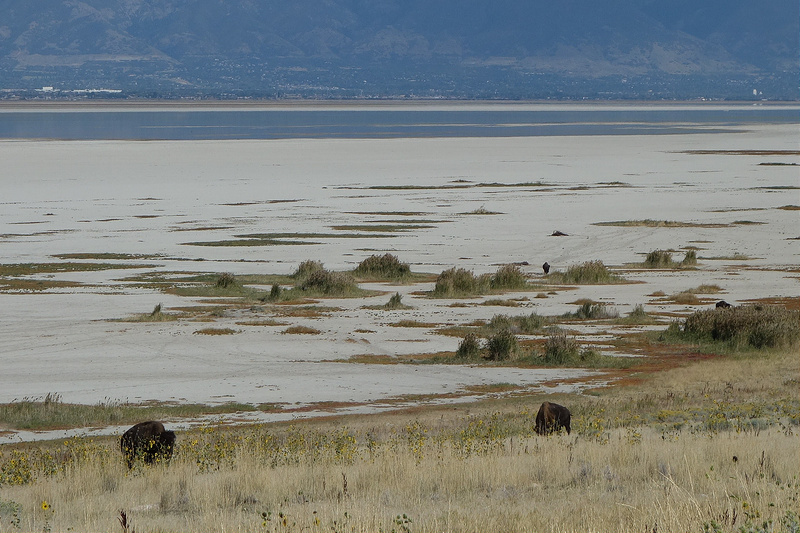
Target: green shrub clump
747,326
469,347
328,283
459,282
659,259
508,277
593,311
226,281
588,273
663,259
690,259
307,268
395,302
502,346
385,266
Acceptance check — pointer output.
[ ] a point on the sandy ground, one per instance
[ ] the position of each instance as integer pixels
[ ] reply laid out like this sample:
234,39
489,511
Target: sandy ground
154,197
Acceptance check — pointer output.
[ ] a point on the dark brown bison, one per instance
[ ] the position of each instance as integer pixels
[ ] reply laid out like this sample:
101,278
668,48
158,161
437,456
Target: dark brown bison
546,267
551,418
722,304
148,441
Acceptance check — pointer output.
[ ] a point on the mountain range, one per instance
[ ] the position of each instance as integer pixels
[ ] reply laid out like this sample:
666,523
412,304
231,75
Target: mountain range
725,49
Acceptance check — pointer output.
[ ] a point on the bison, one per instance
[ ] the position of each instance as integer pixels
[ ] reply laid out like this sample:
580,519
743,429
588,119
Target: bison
551,418
148,441
722,304
546,267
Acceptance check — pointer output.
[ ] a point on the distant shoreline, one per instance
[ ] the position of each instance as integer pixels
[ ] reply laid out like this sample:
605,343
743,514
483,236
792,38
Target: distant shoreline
371,103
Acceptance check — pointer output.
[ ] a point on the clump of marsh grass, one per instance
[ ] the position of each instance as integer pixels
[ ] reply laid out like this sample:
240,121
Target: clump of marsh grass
690,259
663,259
560,349
156,315
459,282
385,266
216,331
744,327
329,283
395,302
502,346
593,311
659,259
306,268
637,316
508,277
227,281
469,347
313,279
563,350
588,273
300,330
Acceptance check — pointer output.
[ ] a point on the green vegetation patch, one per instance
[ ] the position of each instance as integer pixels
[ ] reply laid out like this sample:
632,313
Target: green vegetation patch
31,269
663,259
301,330
461,283
588,273
382,267
592,311
741,327
216,331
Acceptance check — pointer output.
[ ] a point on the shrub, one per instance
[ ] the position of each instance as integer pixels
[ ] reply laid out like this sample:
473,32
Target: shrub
459,282
499,323
690,259
307,268
590,272
746,326
385,266
226,281
592,311
637,316
659,259
508,277
395,302
300,330
559,349
531,323
469,347
502,346
328,283
275,292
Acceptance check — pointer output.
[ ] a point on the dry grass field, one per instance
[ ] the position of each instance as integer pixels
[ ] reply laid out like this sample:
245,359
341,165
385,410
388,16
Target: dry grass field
705,446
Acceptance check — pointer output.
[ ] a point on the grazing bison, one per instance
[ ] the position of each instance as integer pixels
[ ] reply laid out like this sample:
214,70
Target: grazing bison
148,441
722,304
551,418
546,267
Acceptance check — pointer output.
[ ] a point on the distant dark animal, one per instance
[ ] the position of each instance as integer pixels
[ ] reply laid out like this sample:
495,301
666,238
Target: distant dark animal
557,233
551,418
148,441
546,267
722,304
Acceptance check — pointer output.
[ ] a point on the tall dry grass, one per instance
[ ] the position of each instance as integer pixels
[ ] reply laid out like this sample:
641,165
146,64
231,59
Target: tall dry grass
635,482
712,445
